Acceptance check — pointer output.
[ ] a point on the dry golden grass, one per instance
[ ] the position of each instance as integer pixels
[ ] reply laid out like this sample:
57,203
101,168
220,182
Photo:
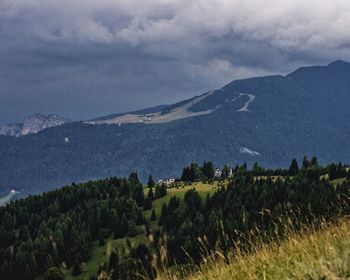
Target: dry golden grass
322,254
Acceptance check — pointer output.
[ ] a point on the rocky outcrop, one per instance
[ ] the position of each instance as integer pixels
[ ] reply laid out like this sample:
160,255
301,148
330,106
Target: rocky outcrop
33,124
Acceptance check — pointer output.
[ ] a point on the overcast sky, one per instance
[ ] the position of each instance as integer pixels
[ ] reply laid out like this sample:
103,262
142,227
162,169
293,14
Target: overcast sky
87,58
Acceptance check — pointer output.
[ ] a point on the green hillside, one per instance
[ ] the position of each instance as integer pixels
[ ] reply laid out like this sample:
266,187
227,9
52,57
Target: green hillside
100,254
119,228
322,254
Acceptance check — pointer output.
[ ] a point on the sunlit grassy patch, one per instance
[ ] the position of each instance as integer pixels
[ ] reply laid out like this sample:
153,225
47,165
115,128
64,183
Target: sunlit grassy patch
323,254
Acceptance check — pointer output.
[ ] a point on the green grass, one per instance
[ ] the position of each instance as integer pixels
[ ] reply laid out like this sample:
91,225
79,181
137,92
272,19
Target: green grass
322,254
337,182
100,254
273,178
202,188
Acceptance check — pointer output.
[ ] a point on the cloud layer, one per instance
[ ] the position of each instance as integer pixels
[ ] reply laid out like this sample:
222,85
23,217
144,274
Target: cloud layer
84,58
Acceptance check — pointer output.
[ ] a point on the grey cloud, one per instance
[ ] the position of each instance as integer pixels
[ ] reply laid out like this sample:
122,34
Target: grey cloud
84,58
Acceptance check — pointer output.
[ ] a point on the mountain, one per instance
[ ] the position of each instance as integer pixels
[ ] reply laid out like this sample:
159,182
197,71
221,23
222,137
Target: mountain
32,124
12,129
266,119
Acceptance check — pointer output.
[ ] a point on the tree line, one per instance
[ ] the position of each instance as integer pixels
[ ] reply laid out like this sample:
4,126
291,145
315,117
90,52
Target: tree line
42,232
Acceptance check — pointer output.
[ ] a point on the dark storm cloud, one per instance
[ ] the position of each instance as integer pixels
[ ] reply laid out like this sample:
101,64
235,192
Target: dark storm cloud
84,58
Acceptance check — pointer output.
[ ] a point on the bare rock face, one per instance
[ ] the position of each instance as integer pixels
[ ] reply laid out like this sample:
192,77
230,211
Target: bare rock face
33,124
38,122
13,129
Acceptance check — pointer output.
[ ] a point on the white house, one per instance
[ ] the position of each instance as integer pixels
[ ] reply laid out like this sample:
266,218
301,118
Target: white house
218,173
168,182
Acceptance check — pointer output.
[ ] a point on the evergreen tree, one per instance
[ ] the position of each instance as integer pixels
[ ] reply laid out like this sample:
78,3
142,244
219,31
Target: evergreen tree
226,171
314,161
257,170
161,190
150,194
332,172
294,168
192,173
208,170
114,264
134,178
153,215
76,268
147,204
138,195
150,183
306,163
163,214
53,273
132,228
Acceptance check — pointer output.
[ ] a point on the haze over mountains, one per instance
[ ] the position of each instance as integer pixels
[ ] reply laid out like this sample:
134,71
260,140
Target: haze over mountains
267,119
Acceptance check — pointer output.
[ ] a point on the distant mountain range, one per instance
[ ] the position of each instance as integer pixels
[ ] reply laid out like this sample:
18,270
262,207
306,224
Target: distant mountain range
32,124
266,119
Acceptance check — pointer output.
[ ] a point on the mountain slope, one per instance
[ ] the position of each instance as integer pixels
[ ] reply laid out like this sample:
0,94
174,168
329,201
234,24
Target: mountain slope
32,124
320,254
267,119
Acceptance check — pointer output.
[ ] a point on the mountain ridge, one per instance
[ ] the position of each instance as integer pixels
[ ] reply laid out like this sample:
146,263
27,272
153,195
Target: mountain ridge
33,124
290,116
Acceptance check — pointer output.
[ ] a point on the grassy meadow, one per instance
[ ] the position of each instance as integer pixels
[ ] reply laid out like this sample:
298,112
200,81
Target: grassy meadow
311,254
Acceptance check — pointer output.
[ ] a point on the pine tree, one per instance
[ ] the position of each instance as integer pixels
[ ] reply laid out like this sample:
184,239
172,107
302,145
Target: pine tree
314,161
134,178
153,215
163,214
226,171
306,163
294,168
257,170
332,172
150,183
53,273
114,264
208,170
150,194
147,204
132,228
161,190
76,268
138,195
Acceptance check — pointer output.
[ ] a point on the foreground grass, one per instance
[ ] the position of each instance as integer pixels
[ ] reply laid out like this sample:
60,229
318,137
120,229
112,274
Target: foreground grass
323,254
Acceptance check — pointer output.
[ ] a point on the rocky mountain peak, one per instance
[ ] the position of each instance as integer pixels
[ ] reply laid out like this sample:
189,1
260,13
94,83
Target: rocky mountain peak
33,124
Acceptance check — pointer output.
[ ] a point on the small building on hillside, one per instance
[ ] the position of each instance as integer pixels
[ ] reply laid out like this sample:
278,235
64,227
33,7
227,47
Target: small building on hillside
167,182
230,174
218,173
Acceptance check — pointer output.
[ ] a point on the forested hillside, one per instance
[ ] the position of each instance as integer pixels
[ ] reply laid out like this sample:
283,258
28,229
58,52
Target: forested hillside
266,119
120,229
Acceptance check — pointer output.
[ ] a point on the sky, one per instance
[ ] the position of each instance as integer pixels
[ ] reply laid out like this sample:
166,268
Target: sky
86,58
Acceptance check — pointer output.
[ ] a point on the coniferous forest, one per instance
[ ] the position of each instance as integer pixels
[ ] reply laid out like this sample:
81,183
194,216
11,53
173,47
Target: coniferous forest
42,235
